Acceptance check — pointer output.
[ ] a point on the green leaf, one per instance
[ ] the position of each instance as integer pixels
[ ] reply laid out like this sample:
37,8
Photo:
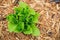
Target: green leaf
11,27
11,18
35,30
32,12
20,27
22,18
28,30
35,20
23,4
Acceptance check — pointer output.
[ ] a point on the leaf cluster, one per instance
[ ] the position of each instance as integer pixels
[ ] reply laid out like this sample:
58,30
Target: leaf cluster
23,20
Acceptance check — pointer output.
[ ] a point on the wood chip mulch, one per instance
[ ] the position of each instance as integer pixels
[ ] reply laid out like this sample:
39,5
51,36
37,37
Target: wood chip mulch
49,20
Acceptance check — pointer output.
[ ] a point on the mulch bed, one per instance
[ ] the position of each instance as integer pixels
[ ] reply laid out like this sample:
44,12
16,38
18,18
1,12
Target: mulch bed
49,20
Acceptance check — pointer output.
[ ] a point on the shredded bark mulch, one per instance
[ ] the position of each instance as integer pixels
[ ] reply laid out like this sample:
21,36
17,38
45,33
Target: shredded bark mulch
49,20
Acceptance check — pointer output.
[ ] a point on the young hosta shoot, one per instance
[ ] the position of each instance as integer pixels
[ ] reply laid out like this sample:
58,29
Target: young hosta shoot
23,20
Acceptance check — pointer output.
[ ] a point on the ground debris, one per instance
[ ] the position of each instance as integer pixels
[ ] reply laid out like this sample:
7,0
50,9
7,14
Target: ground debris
49,20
